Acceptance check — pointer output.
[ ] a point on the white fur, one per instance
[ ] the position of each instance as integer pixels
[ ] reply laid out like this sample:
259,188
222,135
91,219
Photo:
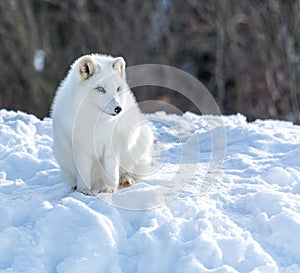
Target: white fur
97,151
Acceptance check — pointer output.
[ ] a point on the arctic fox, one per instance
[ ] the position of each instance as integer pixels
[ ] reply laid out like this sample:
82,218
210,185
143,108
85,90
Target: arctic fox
101,138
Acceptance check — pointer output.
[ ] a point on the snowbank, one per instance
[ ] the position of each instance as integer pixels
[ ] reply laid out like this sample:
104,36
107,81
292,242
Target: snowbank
249,221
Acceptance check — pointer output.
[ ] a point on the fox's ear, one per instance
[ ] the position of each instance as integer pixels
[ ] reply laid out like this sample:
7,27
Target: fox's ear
86,68
119,65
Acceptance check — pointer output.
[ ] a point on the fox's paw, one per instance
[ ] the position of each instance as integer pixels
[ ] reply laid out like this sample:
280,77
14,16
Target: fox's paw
107,189
126,181
85,191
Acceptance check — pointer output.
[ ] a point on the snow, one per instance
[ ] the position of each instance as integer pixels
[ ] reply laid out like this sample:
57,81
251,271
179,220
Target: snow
39,60
247,220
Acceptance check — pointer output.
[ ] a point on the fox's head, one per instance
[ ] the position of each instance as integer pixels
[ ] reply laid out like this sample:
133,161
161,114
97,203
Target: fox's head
102,78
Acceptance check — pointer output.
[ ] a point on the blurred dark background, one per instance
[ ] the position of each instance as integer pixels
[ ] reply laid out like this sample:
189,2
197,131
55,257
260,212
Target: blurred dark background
247,53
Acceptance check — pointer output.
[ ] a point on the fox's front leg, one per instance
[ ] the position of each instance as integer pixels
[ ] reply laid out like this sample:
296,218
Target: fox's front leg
110,174
83,166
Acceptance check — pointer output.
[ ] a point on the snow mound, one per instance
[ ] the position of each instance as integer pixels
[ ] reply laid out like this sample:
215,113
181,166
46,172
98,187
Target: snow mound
249,221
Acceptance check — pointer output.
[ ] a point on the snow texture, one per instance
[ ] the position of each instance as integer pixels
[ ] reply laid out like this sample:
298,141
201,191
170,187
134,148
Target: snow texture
249,221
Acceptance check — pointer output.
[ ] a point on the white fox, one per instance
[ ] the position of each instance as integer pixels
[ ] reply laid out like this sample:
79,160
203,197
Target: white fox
101,138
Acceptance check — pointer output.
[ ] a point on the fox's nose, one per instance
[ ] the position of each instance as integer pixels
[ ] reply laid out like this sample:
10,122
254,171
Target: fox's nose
118,109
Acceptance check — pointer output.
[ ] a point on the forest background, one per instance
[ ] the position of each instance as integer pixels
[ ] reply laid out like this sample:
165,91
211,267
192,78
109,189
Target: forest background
246,53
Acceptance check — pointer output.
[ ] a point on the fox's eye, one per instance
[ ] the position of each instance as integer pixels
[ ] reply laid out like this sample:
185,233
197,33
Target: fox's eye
101,89
118,89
